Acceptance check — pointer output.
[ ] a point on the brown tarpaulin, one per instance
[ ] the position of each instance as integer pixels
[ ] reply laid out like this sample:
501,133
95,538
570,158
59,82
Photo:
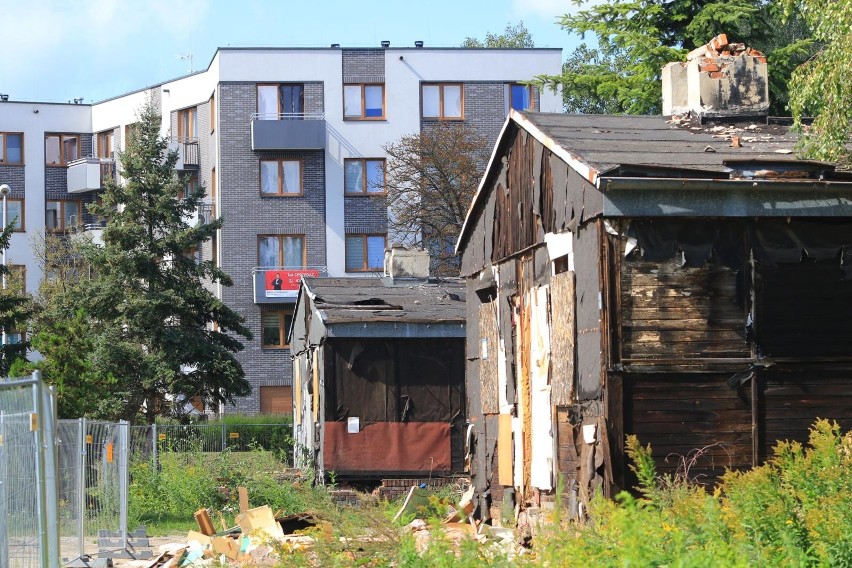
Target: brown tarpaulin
400,447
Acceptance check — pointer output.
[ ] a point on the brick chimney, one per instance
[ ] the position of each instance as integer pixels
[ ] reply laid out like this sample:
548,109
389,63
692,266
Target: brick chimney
403,264
718,80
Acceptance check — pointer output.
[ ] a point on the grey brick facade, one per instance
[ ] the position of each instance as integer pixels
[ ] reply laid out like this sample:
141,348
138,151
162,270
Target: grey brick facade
363,65
247,215
363,214
14,176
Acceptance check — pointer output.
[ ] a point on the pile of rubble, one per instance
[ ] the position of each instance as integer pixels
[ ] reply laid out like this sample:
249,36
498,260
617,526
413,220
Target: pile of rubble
717,53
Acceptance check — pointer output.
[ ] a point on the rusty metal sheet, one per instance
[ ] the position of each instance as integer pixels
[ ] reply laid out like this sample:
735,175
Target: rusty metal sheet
562,338
387,447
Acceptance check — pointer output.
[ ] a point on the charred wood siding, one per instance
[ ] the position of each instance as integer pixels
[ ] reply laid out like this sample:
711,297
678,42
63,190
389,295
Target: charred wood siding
794,320
673,314
691,419
791,399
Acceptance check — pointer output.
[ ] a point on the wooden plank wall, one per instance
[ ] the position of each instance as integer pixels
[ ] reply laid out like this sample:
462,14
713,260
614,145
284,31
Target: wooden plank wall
679,414
673,313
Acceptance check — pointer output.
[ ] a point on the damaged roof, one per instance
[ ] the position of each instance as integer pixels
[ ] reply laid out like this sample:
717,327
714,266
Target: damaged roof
355,300
607,143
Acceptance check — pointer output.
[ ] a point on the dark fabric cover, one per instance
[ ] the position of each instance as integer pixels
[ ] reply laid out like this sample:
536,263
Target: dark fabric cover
396,380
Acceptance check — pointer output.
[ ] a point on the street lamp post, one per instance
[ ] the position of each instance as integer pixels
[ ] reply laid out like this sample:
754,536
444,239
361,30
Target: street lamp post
4,192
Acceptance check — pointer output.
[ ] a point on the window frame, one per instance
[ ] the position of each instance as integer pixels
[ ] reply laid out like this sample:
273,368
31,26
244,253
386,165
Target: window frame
61,228
191,114
62,137
280,238
213,112
280,111
22,268
366,191
23,216
280,192
4,149
100,137
363,87
282,314
441,114
365,240
530,91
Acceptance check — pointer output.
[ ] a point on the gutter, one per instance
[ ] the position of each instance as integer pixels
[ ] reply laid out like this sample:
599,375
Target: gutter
680,184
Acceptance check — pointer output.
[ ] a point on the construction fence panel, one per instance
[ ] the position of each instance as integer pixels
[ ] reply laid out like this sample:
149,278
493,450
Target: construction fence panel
28,483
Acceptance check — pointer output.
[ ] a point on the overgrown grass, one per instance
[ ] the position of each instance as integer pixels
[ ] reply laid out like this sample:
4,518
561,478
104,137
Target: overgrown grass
794,511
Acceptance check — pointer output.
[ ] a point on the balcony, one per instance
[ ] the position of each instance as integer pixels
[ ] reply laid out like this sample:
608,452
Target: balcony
89,231
280,285
88,174
202,215
292,131
187,152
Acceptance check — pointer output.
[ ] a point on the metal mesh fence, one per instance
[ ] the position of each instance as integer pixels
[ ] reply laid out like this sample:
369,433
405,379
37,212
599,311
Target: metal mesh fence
93,479
28,505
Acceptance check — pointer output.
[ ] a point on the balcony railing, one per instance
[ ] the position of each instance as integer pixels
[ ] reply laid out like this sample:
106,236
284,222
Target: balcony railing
280,284
288,131
88,174
187,150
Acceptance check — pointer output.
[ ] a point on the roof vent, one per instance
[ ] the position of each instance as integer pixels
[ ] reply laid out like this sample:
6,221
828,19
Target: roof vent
418,43
718,80
4,97
335,45
385,43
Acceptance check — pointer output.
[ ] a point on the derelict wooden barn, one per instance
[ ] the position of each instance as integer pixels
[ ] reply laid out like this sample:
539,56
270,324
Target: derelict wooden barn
686,283
379,377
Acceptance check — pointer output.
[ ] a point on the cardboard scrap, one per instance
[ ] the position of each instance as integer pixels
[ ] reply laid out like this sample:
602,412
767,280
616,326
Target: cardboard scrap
261,521
244,502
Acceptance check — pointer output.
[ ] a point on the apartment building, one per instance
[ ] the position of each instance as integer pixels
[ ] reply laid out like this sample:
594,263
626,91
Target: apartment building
288,144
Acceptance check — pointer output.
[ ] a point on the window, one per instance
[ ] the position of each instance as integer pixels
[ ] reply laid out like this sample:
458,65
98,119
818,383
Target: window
443,101
130,131
212,112
274,328
363,176
15,212
17,278
104,142
365,253
520,97
190,187
61,215
286,251
364,101
11,148
188,124
280,177
59,149
285,101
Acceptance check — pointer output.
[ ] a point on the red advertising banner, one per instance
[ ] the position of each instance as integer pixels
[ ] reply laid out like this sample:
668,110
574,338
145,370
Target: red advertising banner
285,283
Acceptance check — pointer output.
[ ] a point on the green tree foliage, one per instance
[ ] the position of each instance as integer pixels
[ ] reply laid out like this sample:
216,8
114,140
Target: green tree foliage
514,36
821,87
636,38
151,330
15,310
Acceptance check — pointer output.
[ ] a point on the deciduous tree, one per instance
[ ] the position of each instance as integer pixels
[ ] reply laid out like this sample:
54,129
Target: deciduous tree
514,36
15,310
822,86
431,180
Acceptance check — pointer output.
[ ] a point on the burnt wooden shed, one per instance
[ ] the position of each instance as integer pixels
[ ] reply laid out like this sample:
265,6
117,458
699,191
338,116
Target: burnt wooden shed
686,283
379,376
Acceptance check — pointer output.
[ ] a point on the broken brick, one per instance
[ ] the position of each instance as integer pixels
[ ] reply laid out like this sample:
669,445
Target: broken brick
719,41
709,67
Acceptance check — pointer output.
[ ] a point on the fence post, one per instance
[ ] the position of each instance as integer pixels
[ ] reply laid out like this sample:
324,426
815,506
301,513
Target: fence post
123,478
4,518
36,424
51,461
81,488
224,439
155,442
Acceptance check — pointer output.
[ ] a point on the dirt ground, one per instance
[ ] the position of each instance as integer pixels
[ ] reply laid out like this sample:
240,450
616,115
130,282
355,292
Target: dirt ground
70,546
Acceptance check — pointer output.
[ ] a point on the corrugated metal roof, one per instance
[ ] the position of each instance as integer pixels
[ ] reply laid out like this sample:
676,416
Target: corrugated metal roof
348,300
605,142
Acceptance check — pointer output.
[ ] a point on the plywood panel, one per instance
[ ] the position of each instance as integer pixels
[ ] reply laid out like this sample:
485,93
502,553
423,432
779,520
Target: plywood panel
562,338
504,450
488,355
276,400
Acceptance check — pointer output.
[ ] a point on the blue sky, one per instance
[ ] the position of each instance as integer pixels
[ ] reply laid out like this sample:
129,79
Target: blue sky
56,50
